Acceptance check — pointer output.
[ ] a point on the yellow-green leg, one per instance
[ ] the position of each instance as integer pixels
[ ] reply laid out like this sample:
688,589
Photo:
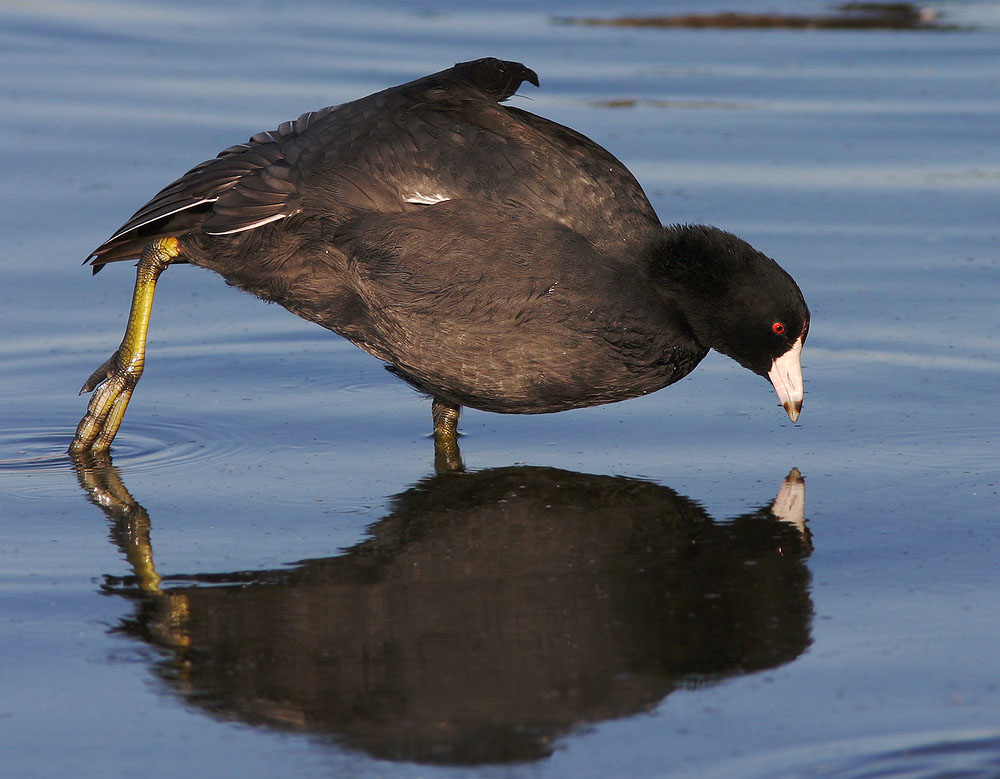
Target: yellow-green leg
447,457
116,379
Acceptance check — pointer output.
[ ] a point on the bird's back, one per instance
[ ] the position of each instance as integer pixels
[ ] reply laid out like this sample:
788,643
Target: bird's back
442,137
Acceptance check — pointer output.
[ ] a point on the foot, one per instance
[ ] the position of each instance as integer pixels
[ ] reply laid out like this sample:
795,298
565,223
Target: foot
114,382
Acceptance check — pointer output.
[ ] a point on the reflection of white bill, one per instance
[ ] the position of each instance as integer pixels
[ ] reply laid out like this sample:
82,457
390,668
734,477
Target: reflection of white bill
790,504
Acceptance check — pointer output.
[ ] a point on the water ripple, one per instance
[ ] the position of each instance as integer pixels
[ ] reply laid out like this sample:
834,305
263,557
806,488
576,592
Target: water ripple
973,755
32,449
141,447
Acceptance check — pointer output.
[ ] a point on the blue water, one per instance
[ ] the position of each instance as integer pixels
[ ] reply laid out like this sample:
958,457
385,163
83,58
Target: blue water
627,600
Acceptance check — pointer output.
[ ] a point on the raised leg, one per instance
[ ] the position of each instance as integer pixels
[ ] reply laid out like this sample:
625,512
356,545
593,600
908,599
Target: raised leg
116,379
447,457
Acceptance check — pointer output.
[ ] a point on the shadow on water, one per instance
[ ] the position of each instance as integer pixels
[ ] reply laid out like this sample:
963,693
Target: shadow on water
485,616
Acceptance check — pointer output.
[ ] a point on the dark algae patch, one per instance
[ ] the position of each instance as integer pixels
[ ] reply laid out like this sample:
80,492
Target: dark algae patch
845,16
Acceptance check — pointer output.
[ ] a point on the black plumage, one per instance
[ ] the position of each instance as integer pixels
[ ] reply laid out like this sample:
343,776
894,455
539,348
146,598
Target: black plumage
491,257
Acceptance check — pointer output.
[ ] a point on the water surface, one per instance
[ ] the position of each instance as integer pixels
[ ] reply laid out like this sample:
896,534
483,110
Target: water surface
610,591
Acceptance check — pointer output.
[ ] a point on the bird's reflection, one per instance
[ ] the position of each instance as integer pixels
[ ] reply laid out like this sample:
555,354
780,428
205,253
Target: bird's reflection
486,615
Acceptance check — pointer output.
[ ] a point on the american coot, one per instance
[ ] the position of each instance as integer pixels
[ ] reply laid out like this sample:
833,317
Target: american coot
492,258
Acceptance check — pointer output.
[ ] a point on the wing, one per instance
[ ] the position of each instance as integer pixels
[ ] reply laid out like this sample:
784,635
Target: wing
441,137
265,179
244,187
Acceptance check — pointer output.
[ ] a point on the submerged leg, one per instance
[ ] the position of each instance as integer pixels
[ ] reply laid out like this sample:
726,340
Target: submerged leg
447,457
117,377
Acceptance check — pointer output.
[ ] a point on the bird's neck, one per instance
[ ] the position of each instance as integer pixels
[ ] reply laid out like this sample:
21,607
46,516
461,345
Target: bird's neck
686,264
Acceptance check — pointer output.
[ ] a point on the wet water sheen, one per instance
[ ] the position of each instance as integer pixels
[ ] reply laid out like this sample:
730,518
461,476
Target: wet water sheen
268,577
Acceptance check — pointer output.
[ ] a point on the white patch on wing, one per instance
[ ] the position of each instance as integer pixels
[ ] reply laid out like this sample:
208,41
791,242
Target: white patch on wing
177,210
259,223
427,200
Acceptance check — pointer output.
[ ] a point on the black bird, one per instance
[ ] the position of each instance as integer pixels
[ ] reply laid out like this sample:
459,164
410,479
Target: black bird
492,258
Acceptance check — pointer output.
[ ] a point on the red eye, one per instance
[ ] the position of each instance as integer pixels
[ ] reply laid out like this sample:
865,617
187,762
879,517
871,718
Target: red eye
778,328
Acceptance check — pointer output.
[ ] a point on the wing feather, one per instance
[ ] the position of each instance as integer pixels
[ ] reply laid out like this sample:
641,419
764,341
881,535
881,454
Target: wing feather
244,187
441,137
